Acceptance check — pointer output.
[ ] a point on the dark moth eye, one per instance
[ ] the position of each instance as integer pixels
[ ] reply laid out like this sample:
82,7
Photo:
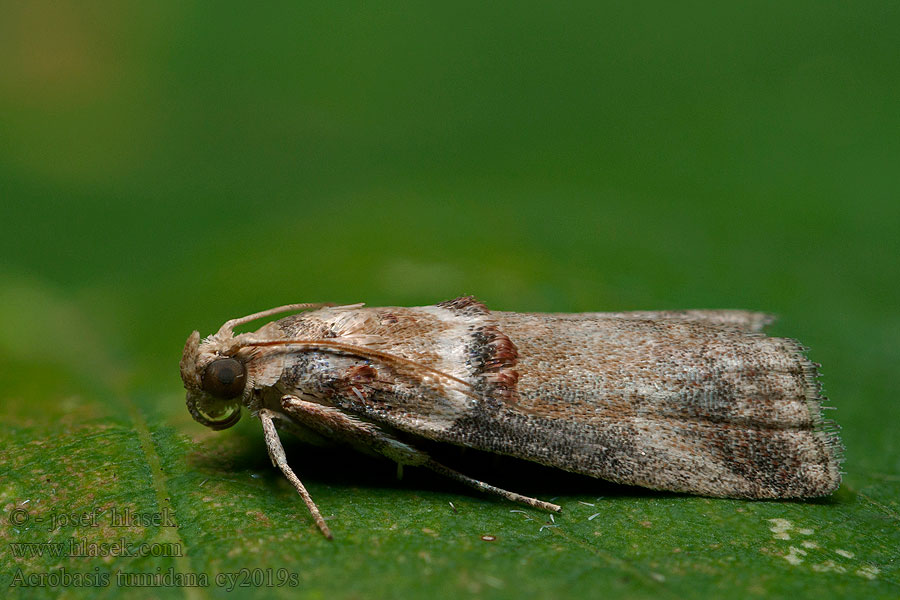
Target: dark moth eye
224,378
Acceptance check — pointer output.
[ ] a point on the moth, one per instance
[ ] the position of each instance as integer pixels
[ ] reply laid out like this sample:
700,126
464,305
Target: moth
696,401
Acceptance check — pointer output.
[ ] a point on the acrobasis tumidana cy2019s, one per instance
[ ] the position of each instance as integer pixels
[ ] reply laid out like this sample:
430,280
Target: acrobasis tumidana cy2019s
688,401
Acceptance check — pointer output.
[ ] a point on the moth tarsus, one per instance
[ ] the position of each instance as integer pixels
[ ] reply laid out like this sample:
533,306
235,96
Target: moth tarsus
688,401
490,489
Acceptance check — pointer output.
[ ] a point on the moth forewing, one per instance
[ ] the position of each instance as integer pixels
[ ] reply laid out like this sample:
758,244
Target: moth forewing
691,401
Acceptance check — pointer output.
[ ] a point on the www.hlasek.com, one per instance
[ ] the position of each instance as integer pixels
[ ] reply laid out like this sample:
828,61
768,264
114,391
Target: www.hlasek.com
83,549
230,581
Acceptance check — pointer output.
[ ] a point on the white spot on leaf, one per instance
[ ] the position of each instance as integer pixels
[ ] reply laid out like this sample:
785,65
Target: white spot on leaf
868,571
829,565
795,555
780,528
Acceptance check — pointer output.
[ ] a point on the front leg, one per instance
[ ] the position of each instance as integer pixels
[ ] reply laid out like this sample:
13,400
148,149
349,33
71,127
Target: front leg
276,453
332,423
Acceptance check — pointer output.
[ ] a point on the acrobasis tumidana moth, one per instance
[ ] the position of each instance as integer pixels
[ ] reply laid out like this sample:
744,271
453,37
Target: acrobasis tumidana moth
686,401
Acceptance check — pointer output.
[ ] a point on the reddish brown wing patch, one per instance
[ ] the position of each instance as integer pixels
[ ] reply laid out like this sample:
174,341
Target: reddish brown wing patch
490,352
465,304
361,374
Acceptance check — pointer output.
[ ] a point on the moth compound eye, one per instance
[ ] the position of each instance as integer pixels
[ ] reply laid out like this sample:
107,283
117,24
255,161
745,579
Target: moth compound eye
224,378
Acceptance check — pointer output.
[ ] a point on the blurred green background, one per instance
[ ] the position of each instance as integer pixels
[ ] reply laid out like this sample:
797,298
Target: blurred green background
166,166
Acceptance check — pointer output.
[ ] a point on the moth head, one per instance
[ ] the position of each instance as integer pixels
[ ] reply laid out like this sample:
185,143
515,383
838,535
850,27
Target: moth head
220,372
215,384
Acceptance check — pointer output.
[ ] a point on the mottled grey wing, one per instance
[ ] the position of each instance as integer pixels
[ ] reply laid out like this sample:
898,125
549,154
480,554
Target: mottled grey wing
668,403
743,319
692,401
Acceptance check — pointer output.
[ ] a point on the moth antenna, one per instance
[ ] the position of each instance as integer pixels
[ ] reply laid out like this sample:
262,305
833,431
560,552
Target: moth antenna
227,328
328,345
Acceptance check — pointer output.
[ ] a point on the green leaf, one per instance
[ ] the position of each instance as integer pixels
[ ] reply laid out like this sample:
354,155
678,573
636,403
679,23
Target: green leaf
88,467
167,166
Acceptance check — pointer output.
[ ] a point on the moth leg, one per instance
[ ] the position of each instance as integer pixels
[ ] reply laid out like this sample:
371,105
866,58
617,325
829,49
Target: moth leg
490,489
334,423
276,453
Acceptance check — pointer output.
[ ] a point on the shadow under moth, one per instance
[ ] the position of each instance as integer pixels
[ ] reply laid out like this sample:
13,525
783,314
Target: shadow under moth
693,401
